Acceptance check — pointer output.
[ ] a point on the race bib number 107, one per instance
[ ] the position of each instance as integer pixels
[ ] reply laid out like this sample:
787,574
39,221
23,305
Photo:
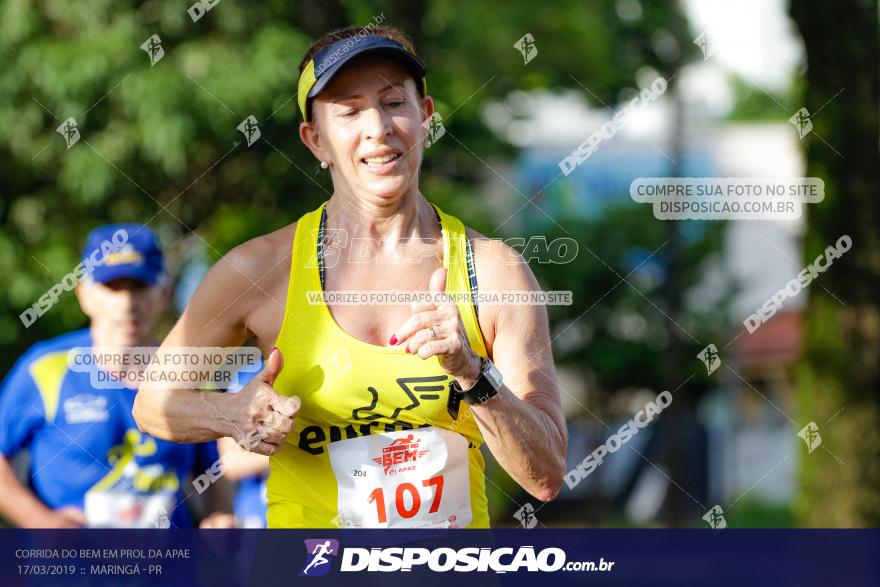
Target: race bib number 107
408,479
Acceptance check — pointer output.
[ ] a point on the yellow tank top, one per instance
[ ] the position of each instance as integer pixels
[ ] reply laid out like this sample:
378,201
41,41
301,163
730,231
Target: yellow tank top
351,389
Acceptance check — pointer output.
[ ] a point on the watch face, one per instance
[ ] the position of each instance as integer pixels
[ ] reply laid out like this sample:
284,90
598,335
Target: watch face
493,374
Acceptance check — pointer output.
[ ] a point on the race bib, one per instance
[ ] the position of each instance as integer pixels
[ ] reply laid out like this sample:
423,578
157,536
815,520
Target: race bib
407,479
117,509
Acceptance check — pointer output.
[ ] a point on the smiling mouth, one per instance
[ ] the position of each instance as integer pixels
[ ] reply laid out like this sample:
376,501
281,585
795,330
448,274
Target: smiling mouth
379,162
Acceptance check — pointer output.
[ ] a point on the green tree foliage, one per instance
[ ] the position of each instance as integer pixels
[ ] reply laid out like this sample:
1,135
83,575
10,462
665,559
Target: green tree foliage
839,376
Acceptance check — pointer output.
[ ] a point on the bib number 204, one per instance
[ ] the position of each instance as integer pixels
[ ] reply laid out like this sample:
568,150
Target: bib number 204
378,496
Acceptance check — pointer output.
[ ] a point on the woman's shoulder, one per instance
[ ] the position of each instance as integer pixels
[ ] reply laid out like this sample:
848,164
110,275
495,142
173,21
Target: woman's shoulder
254,265
255,256
244,280
498,265
500,268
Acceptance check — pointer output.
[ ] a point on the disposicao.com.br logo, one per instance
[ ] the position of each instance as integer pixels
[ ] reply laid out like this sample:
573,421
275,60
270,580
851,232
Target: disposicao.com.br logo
442,559
318,559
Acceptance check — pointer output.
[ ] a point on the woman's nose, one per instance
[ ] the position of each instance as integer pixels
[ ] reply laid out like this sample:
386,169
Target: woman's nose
377,123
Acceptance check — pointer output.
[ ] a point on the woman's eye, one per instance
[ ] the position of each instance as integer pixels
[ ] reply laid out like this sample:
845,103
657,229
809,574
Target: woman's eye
348,113
395,104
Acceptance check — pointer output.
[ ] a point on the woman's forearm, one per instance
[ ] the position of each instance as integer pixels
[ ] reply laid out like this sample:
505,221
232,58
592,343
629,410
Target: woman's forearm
181,415
525,441
255,417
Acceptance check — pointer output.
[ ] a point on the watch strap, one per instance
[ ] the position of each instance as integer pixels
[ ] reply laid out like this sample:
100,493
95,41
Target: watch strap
482,391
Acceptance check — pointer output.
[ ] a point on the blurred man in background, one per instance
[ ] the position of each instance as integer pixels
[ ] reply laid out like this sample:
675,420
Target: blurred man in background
250,471
89,463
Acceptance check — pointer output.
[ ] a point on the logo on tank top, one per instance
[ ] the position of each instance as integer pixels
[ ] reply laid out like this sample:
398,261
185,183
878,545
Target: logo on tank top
411,398
402,451
365,420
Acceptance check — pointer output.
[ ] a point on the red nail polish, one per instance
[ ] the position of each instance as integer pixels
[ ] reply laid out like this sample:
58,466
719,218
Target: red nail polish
407,350
393,340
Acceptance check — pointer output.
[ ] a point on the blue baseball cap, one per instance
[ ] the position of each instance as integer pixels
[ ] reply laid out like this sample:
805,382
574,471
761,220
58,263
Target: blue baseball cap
119,251
328,61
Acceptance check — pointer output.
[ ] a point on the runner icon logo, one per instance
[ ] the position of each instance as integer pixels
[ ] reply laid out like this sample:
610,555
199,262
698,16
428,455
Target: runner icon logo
526,516
710,358
319,553
410,399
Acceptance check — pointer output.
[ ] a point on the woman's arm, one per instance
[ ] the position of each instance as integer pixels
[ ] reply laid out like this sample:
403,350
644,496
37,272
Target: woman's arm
255,417
523,424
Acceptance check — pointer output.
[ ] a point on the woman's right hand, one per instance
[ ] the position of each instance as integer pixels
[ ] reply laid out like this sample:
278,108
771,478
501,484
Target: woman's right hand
260,418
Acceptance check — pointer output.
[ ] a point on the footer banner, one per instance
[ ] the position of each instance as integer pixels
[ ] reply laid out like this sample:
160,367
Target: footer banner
269,558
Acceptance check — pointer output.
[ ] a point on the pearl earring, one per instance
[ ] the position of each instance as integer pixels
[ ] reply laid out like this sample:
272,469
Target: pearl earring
324,165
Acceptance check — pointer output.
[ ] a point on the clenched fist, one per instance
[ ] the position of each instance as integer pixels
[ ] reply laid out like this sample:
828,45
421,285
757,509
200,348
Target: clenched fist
259,418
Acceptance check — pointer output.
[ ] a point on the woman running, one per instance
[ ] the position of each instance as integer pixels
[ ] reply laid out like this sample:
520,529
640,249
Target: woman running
373,414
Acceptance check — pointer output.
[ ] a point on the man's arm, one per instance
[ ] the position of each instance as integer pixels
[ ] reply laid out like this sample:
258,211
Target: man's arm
21,507
239,463
22,415
221,515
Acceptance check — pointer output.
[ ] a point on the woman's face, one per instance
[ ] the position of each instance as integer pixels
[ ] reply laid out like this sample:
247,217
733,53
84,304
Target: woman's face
367,123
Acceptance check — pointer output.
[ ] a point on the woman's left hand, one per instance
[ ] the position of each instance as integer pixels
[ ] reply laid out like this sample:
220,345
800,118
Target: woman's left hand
437,329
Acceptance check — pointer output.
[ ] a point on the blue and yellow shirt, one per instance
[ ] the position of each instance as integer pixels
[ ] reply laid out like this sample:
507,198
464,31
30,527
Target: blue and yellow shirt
81,438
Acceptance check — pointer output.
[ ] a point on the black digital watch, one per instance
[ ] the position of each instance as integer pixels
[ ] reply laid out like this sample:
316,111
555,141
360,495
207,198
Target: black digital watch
485,388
